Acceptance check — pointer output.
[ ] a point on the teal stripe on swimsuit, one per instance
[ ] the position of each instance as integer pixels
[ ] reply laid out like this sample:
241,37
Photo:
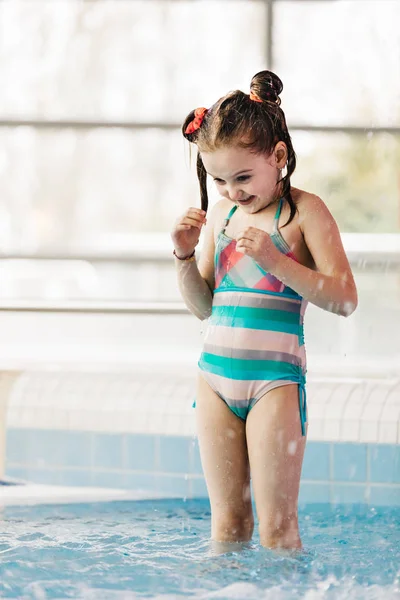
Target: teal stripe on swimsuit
282,371
237,364
246,312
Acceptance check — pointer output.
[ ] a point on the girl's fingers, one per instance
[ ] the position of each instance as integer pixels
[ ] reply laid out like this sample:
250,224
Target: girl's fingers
192,222
196,211
243,244
193,217
244,239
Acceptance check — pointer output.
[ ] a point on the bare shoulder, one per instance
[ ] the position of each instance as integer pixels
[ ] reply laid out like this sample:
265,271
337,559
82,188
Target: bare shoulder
310,207
222,206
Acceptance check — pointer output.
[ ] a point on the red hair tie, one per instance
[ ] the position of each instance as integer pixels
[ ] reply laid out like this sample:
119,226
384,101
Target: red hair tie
199,115
254,97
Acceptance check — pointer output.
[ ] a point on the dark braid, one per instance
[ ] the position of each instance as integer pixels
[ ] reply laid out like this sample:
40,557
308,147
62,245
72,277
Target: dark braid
202,177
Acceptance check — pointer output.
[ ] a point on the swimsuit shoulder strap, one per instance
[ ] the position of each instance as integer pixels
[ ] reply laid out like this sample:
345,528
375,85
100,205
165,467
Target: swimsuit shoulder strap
228,218
277,215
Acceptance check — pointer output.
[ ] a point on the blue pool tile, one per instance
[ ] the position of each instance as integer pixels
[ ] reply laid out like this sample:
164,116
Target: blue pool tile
108,479
75,477
75,448
107,450
140,452
44,448
173,486
144,482
174,454
314,493
196,462
316,461
384,463
349,494
198,488
350,462
34,447
18,445
381,495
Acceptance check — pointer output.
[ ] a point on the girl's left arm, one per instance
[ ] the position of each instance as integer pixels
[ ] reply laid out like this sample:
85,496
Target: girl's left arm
331,286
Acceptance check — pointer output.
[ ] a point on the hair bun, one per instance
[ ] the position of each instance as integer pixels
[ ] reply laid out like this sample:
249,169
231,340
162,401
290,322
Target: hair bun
267,86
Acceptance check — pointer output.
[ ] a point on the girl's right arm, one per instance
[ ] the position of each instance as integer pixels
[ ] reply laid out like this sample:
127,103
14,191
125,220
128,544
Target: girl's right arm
196,281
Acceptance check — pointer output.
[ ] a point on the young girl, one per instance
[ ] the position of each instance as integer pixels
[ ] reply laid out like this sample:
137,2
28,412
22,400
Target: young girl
268,249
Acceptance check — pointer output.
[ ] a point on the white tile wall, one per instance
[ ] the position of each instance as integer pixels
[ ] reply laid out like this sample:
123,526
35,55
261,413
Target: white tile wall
369,431
351,430
356,410
388,433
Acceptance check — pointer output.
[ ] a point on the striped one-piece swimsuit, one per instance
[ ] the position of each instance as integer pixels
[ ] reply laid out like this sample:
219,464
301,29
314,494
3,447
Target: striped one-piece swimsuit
254,340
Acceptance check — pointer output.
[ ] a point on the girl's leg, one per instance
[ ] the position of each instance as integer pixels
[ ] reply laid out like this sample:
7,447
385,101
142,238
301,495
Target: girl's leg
276,450
223,451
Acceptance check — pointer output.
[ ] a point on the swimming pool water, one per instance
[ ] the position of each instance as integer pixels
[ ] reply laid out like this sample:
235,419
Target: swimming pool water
161,549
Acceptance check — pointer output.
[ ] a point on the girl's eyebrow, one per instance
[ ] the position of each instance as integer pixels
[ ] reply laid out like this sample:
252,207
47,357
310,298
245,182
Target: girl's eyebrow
236,174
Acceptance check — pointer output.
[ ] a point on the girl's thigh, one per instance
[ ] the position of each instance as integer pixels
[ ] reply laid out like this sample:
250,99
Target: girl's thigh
276,449
223,451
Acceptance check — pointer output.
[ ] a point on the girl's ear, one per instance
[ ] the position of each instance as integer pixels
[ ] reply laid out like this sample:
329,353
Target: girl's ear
281,154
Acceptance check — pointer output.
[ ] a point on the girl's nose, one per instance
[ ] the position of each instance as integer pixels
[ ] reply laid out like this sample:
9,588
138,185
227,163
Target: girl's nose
235,194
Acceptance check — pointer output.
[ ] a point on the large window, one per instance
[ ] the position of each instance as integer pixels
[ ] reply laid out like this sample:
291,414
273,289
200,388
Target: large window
93,94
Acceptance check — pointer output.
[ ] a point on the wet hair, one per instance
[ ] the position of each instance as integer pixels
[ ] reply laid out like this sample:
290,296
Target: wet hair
254,121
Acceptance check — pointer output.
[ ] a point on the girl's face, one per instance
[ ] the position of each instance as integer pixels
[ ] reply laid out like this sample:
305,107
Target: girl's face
247,179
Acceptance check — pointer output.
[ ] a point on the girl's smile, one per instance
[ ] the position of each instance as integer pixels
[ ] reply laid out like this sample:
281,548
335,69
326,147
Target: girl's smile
246,201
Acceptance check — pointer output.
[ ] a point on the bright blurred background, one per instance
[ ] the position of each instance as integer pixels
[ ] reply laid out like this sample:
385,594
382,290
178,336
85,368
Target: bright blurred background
94,169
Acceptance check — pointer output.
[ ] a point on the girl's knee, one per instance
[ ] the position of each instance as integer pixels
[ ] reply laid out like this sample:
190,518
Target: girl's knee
280,531
232,525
